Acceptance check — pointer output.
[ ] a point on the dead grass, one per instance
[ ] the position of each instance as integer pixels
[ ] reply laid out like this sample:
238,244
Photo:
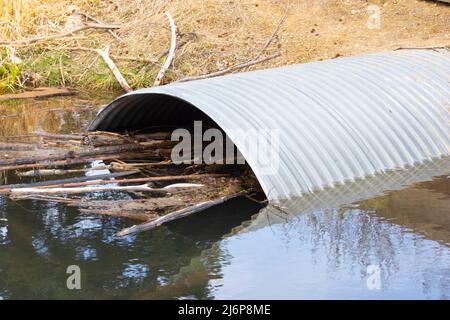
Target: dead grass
227,32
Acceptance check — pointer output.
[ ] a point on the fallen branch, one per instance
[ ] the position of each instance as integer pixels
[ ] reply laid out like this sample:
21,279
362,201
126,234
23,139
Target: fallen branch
171,55
72,161
275,31
177,215
142,188
105,55
55,184
59,172
61,35
230,69
88,16
106,178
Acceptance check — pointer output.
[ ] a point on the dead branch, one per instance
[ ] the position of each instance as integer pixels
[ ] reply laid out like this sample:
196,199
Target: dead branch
275,31
63,182
60,35
87,159
142,188
230,69
177,215
105,55
88,16
55,184
171,55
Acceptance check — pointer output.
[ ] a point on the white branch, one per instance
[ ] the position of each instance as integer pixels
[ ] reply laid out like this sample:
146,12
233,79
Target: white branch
171,55
105,55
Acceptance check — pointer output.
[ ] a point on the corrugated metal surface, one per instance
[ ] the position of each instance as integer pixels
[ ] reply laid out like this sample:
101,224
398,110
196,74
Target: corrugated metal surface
338,120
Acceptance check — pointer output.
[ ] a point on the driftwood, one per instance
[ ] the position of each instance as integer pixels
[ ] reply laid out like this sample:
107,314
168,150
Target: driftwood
177,215
63,182
171,55
142,188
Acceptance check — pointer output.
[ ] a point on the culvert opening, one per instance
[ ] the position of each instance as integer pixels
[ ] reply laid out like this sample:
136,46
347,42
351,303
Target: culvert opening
198,145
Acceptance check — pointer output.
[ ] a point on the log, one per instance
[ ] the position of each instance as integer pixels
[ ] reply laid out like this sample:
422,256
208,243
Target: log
134,180
92,179
177,215
59,172
88,152
66,162
141,188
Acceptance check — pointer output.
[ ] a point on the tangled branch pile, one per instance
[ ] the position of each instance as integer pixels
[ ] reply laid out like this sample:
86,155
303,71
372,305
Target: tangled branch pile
138,165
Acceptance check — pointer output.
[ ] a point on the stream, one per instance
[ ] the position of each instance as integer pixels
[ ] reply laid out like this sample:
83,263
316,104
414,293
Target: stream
386,237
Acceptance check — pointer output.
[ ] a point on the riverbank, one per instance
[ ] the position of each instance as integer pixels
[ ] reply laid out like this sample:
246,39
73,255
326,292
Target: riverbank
212,35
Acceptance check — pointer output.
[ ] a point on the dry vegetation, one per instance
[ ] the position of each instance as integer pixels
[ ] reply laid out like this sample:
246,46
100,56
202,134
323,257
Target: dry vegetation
212,35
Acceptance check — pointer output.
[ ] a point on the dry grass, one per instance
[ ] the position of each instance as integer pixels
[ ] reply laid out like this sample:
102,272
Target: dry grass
227,32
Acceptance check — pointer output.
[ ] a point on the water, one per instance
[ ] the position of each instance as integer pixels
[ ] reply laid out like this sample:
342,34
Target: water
325,245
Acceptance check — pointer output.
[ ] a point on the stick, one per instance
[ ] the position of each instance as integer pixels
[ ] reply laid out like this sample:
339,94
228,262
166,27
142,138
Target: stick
71,161
92,179
58,36
171,55
54,184
274,33
88,16
230,69
177,215
142,188
58,172
105,55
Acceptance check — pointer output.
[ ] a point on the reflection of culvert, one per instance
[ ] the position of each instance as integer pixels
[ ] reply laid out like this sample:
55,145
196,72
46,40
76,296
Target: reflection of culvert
336,120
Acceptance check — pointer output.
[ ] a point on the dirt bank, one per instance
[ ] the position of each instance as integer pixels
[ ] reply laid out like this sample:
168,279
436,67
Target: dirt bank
212,35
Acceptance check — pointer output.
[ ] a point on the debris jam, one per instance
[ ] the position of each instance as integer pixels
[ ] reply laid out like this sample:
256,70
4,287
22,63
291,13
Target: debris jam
124,175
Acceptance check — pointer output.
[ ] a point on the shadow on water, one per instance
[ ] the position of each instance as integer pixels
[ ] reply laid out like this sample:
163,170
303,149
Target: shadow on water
317,246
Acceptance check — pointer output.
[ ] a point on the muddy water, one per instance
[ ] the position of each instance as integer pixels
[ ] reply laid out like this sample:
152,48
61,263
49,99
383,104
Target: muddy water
387,237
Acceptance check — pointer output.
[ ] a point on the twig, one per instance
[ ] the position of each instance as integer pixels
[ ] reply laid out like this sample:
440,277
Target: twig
171,55
230,69
177,215
105,55
88,16
61,35
274,33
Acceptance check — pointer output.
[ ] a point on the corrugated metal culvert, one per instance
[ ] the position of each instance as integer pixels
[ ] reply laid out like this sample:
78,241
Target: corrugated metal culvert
338,120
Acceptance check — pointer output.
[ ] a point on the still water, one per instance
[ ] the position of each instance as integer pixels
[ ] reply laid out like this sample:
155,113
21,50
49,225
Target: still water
387,237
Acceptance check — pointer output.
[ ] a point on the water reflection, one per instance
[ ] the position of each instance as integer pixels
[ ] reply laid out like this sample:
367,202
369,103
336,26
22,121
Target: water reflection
320,246
59,114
